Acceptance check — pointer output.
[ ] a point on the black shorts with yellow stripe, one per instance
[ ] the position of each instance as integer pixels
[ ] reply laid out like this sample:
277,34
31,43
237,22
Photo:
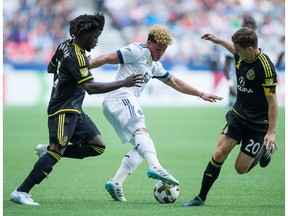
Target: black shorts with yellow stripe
250,135
75,128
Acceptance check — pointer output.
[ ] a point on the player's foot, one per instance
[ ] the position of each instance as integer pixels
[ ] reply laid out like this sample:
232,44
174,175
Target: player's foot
265,159
115,190
197,201
22,198
163,175
41,149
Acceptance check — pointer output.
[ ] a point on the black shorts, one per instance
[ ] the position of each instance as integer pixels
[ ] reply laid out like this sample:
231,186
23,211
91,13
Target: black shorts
250,135
71,127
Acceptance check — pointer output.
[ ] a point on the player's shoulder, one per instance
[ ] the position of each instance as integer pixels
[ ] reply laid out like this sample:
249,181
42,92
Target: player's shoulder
138,50
74,55
138,47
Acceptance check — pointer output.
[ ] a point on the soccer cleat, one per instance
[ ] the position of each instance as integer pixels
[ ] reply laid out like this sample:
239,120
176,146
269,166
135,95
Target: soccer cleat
162,175
115,190
197,201
265,159
41,149
22,198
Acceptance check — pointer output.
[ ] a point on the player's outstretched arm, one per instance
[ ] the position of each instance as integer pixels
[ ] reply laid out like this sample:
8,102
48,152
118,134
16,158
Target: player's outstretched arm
92,87
185,88
216,40
111,58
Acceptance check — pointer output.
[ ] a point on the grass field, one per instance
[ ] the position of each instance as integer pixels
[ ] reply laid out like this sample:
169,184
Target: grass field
185,139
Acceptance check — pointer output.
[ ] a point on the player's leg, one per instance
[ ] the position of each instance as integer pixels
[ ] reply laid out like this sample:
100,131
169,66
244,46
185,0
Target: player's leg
44,165
129,163
212,171
118,113
146,148
86,141
253,145
225,145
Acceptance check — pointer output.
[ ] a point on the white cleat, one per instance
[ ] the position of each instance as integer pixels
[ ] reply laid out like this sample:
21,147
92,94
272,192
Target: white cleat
115,190
163,175
22,198
41,149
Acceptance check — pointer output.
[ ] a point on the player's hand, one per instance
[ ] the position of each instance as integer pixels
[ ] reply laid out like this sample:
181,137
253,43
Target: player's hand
270,142
134,80
210,97
210,37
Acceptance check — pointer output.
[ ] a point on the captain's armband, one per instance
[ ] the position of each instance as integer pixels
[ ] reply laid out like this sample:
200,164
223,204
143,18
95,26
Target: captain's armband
269,90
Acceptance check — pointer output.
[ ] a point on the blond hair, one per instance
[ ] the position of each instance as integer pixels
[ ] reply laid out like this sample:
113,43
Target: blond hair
160,34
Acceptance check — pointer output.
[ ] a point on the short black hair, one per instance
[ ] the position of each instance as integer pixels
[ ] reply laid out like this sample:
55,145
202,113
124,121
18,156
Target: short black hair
85,23
245,37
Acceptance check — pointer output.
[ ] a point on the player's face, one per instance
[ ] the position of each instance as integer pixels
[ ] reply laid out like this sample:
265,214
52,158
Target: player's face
244,53
157,50
92,39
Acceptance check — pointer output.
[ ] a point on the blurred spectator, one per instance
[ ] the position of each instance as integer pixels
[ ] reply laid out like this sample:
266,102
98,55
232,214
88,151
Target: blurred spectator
33,29
32,34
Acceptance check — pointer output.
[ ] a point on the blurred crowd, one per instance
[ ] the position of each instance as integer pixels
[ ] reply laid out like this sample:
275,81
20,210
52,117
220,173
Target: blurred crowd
40,25
34,28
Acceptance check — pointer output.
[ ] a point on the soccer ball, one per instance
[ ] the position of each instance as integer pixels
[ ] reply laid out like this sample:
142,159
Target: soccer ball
166,193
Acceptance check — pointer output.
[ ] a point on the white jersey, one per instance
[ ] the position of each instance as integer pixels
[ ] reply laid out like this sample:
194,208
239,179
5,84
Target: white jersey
135,59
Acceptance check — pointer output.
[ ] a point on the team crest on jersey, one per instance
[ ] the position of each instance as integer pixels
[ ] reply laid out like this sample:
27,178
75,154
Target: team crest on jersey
250,74
84,72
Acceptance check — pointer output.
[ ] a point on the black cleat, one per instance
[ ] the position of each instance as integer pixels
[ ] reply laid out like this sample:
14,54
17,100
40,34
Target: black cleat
197,201
265,159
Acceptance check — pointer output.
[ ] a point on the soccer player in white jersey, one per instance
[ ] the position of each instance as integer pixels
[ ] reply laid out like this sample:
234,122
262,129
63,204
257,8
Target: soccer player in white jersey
123,111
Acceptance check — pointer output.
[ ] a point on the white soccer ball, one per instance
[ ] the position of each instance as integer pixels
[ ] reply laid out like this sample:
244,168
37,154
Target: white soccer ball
166,193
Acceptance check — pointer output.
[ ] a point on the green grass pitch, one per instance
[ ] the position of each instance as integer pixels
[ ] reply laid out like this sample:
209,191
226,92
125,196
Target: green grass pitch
185,139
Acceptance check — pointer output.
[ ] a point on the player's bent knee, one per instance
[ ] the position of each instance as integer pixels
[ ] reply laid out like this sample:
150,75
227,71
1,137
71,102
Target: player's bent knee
241,169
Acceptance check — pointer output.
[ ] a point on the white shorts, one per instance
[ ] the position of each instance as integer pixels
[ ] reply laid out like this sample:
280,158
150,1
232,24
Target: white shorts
126,116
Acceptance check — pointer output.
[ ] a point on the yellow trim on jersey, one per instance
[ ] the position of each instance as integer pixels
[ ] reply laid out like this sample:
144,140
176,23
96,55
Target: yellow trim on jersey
64,110
52,64
60,132
80,57
266,65
247,119
83,80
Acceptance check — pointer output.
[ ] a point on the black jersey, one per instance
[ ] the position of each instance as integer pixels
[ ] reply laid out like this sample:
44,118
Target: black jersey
255,80
70,67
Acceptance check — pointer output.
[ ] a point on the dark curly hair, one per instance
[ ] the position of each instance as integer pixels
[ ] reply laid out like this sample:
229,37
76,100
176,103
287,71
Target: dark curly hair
86,23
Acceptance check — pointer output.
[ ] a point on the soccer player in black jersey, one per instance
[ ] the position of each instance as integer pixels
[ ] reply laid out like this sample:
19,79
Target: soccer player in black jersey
67,121
252,120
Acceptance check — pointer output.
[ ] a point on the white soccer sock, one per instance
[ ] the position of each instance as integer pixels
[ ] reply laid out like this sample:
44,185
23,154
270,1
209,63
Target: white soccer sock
129,163
146,148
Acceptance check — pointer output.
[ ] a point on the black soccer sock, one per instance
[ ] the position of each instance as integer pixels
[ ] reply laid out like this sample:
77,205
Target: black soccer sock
83,150
209,177
40,170
257,159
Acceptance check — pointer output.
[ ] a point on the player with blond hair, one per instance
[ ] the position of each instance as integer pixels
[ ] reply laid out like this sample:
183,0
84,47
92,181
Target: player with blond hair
123,111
